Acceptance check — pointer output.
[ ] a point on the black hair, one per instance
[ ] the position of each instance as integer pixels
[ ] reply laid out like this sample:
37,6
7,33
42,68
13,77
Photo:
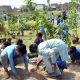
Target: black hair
19,41
7,43
65,17
72,49
33,48
39,34
59,16
22,49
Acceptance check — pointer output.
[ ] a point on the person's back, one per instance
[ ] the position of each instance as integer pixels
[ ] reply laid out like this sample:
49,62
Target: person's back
54,44
10,50
13,55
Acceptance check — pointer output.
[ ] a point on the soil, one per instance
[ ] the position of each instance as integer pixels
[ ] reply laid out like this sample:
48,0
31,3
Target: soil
72,73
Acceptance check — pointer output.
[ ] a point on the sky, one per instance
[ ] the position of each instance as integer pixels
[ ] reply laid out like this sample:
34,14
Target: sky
18,3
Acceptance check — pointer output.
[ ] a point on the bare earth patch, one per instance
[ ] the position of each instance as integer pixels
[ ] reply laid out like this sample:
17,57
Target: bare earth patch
72,73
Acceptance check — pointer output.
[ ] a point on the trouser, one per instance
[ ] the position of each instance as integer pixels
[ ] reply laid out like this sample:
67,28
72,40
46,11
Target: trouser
5,61
61,51
44,33
48,64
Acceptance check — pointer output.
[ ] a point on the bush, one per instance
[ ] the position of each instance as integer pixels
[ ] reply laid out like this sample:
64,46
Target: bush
30,25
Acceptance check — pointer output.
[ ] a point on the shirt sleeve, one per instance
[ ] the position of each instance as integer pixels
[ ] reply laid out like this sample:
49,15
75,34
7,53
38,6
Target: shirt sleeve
11,62
25,60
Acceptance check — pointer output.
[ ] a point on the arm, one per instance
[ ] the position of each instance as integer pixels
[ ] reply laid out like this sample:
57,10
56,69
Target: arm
38,63
25,61
10,57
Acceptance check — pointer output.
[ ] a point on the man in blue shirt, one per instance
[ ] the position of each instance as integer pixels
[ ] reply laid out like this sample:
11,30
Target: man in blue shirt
42,29
74,53
59,20
10,55
38,39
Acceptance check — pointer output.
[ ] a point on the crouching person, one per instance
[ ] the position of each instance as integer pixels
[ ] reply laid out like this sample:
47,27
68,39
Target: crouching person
74,54
10,56
50,51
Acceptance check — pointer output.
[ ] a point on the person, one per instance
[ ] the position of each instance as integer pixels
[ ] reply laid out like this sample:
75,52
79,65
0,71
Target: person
38,39
37,60
64,14
63,29
52,18
50,51
19,41
4,45
59,20
74,54
13,55
4,15
21,25
41,25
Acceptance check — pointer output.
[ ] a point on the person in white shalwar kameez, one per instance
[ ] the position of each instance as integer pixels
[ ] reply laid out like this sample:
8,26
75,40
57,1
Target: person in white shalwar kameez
50,51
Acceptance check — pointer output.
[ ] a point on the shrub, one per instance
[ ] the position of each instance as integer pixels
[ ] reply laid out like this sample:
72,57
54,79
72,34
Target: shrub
30,25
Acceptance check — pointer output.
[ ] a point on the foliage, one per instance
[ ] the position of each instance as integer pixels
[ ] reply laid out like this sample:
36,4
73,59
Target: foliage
30,5
72,16
50,30
2,28
30,25
71,20
12,20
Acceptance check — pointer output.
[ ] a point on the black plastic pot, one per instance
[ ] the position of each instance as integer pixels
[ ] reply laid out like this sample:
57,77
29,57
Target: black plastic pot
4,39
75,40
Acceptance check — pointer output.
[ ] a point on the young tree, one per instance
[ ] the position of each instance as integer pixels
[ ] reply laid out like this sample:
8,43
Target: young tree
12,20
2,29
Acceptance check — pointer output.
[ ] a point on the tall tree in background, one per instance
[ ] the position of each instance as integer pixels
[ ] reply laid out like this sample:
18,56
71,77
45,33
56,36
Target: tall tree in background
29,5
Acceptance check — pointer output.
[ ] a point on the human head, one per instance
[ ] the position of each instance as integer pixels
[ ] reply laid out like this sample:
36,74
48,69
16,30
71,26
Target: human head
39,36
21,50
19,41
72,49
5,44
33,48
59,16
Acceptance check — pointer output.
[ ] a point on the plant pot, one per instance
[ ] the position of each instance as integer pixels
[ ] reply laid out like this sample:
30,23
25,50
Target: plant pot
4,39
18,34
75,40
0,40
9,40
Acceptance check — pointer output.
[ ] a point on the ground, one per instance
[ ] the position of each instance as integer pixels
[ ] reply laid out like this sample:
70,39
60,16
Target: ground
72,73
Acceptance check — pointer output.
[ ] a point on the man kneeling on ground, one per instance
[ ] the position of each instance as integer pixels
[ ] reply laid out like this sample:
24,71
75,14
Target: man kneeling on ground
50,51
74,54
13,55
